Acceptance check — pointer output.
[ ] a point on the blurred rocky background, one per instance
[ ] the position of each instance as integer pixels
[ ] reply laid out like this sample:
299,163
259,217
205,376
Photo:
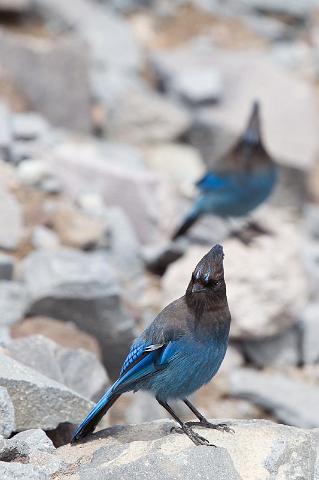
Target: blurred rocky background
109,112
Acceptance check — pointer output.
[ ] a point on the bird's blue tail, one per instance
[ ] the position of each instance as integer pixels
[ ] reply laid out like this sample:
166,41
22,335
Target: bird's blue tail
95,415
189,220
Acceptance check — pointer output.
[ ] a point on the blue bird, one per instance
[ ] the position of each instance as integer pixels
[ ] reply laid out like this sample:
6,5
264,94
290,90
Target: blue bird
179,352
241,181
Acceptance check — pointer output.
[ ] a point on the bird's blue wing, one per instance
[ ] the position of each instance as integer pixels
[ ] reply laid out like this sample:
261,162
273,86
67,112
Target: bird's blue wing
212,181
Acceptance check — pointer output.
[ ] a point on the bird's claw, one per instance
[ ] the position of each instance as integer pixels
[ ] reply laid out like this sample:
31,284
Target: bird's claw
222,427
193,436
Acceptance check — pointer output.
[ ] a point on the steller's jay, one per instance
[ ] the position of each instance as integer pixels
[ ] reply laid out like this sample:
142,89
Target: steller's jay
180,351
241,181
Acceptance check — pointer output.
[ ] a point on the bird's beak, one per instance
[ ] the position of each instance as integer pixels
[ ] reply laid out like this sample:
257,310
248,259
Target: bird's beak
197,288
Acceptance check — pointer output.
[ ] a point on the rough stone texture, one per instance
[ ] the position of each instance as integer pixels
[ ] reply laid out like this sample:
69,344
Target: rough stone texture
149,450
65,334
52,74
310,330
7,418
78,287
291,400
11,228
39,402
24,444
21,471
14,302
279,350
77,369
81,165
146,117
264,277
290,138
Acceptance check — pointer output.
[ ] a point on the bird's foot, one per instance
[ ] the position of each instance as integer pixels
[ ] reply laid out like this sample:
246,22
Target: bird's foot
193,436
222,427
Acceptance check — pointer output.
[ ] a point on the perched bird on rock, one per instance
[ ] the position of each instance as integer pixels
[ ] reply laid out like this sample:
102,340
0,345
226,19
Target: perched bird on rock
179,352
241,181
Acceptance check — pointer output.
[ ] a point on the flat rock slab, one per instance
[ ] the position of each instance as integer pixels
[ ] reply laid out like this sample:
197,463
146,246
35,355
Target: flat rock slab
39,402
291,400
150,450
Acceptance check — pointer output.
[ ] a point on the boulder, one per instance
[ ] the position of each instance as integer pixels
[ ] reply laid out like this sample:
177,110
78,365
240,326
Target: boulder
39,402
51,74
78,287
150,450
65,334
290,399
78,369
7,418
141,116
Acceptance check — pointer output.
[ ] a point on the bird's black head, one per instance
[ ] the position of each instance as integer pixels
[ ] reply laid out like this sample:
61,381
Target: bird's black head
207,285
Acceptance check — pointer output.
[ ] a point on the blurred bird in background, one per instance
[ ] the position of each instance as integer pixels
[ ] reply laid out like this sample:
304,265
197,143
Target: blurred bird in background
180,351
241,181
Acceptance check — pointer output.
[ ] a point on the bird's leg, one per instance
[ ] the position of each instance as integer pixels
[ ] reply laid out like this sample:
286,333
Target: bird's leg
193,436
203,422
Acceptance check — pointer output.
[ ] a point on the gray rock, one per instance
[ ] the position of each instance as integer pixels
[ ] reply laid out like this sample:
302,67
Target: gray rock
6,139
39,402
76,368
123,249
14,302
77,287
22,471
290,400
309,323
11,228
52,74
7,419
186,74
291,138
7,265
25,444
136,190
142,116
279,350
43,237
151,450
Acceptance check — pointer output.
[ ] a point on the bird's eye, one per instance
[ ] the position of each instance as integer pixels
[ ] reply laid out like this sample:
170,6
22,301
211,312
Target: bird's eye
212,283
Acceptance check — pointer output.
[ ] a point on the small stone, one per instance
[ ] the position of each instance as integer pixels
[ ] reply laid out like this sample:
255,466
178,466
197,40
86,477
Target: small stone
14,302
26,443
7,417
32,172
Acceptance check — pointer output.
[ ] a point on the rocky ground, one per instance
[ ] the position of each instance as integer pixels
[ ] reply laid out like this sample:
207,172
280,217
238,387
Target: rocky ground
109,112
